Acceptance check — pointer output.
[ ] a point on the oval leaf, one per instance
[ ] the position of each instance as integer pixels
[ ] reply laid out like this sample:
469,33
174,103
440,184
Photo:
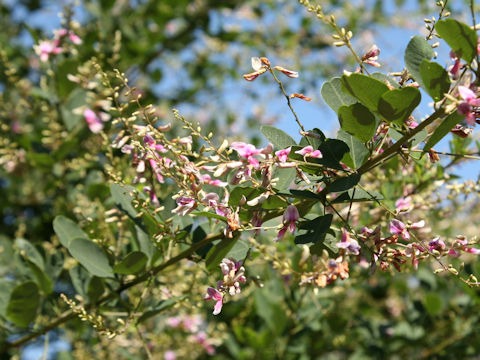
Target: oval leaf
91,256
365,88
435,79
397,105
67,230
344,183
459,36
132,264
358,121
418,49
334,96
23,303
358,152
123,199
277,137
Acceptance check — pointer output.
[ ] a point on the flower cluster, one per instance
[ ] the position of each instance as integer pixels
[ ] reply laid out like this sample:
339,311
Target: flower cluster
233,275
46,48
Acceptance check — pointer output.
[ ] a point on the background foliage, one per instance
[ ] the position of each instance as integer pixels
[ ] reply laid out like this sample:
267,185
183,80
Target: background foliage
190,55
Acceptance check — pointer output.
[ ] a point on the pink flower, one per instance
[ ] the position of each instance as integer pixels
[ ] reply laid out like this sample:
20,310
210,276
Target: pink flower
207,179
174,321
201,338
456,66
185,206
214,294
403,204
283,154
436,244
417,225
289,73
308,151
74,38
473,251
46,48
254,75
399,228
153,196
350,245
466,107
169,355
290,217
93,121
233,275
192,323
247,151
371,56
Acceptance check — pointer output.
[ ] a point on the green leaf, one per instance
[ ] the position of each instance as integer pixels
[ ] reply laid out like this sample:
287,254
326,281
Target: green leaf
385,79
45,283
433,303
144,242
397,105
333,151
6,288
285,178
76,99
418,49
28,250
95,289
270,310
365,88
91,256
210,215
133,263
358,194
315,139
248,191
67,230
334,96
358,121
316,229
329,243
158,308
273,202
238,251
23,304
358,151
459,36
303,194
435,79
443,129
54,264
123,199
64,85
277,137
417,139
218,252
344,183
79,277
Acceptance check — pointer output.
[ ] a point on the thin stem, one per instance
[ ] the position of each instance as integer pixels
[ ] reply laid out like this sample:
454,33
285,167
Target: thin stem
370,164
144,343
289,103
